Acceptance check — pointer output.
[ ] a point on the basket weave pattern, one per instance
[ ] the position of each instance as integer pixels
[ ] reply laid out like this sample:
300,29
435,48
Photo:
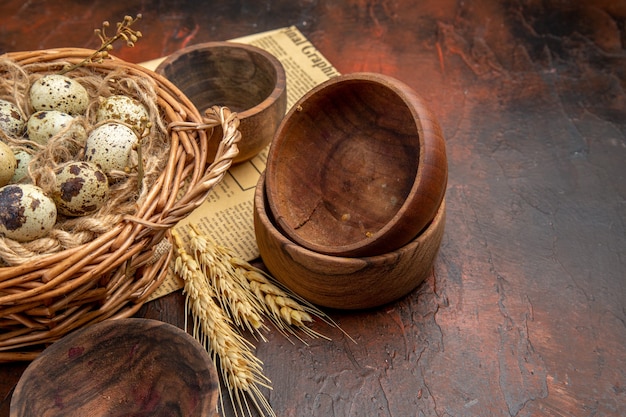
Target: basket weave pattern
112,275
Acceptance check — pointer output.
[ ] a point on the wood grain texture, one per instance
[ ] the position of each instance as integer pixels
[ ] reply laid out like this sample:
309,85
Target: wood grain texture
524,313
345,282
357,167
244,78
126,367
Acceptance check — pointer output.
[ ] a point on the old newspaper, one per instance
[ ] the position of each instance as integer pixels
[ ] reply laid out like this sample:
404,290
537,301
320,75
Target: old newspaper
227,215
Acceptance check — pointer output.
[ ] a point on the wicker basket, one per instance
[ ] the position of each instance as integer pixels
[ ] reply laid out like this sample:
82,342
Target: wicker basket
114,274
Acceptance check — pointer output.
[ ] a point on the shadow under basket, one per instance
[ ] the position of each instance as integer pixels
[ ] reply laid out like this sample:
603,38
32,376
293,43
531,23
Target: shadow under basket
112,275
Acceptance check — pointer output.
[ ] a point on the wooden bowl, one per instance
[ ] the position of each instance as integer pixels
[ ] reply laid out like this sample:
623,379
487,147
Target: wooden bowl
357,167
125,367
343,282
244,78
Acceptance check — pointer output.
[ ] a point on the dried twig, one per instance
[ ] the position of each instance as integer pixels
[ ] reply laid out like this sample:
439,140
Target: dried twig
124,31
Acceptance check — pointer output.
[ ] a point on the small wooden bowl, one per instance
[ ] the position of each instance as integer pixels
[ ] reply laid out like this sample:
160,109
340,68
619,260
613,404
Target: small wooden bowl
124,367
244,78
342,282
357,167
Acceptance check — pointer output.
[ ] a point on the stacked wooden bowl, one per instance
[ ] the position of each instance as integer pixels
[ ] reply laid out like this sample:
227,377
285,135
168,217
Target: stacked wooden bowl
350,213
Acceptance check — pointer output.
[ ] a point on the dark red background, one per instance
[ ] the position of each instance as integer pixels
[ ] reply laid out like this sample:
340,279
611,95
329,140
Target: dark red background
525,312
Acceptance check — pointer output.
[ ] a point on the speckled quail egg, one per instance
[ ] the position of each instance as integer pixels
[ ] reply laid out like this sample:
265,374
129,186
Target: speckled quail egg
23,158
110,145
44,124
59,92
123,108
81,188
8,163
26,213
12,121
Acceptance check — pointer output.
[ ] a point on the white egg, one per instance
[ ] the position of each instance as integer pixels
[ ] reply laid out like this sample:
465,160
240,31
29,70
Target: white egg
110,146
59,92
12,121
8,164
81,189
26,213
44,124
122,108
23,158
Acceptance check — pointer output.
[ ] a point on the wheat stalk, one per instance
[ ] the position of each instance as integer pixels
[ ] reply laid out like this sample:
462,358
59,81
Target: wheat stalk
287,310
280,305
232,293
241,287
241,371
225,293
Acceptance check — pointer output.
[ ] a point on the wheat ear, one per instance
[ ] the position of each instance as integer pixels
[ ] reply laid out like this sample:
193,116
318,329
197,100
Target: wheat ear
232,292
241,371
289,312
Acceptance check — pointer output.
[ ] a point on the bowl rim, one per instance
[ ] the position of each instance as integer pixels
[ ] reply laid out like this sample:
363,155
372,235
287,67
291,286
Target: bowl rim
426,193
281,79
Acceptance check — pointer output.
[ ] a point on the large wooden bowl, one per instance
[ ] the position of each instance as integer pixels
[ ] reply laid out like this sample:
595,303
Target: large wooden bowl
244,78
342,282
116,368
357,167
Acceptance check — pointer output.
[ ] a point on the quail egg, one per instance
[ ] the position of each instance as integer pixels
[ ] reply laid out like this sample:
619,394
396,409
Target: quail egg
110,145
44,124
8,163
12,121
122,108
26,213
59,92
23,158
81,188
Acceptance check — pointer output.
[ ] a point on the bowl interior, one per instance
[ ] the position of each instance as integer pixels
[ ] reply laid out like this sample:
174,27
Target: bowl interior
125,367
343,165
233,75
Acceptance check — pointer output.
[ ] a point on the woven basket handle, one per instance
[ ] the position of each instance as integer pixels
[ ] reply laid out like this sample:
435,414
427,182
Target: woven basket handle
226,151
